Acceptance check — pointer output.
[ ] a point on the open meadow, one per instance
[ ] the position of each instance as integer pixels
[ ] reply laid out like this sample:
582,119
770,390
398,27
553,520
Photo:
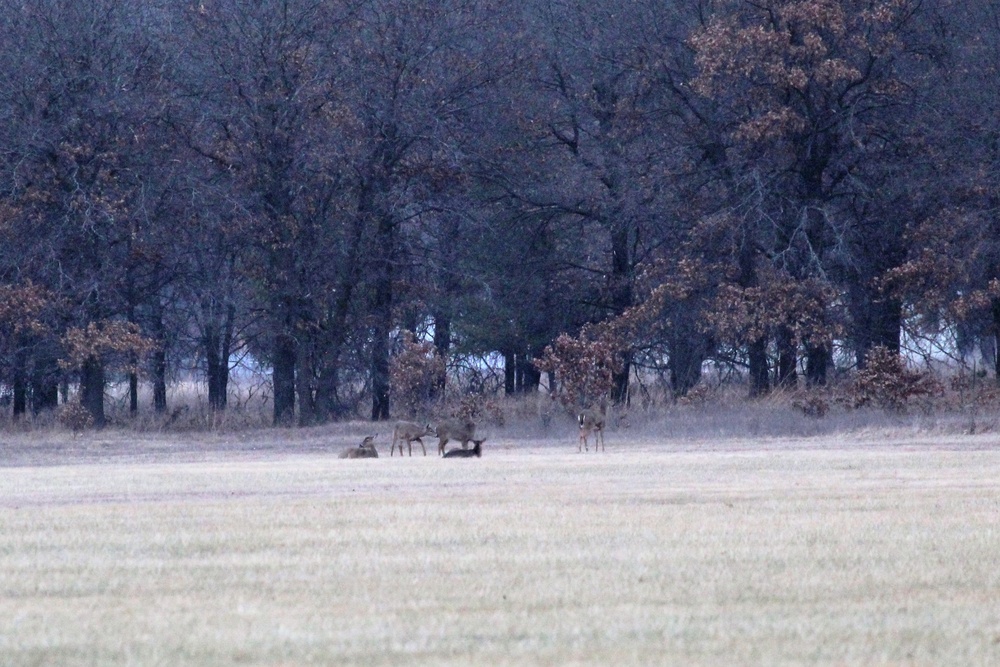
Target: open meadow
877,548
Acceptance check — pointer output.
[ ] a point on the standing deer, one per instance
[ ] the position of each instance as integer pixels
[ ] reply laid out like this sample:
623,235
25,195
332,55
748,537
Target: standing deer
592,421
366,450
460,430
408,432
477,451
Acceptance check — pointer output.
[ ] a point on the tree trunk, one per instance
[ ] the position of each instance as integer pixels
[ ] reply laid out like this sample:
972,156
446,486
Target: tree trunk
759,372
217,371
210,343
687,354
528,377
159,373
889,324
509,373
133,393
20,395
304,374
92,384
380,373
159,381
328,402
442,343
623,239
382,317
217,341
327,397
818,361
619,392
283,378
756,349
158,365
995,309
44,394
43,382
879,322
787,378
324,366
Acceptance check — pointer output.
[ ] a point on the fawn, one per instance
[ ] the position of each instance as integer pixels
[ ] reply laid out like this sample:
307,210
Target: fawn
366,450
477,451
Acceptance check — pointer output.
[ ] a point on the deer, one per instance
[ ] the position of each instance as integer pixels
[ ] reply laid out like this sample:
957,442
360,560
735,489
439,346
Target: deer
477,451
408,432
460,430
592,421
366,450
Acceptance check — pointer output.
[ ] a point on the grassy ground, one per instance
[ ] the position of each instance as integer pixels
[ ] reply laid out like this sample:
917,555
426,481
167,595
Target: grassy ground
783,551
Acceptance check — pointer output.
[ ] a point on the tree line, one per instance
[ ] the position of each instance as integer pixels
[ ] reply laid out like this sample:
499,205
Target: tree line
586,189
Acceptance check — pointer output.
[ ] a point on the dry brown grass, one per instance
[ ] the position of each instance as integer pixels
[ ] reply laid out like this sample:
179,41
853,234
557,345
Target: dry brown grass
269,550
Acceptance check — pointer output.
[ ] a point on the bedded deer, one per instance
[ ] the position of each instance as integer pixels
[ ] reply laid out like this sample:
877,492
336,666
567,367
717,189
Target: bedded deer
366,450
459,430
477,451
409,432
592,421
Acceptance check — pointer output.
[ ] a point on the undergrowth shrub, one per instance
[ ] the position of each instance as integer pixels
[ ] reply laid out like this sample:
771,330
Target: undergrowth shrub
75,417
482,408
812,405
585,367
413,374
699,395
885,382
973,389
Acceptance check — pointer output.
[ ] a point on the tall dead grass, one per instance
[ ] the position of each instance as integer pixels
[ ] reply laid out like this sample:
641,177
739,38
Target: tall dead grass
708,413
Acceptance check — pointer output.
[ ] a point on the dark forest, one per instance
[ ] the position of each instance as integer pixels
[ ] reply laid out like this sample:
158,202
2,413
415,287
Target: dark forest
607,197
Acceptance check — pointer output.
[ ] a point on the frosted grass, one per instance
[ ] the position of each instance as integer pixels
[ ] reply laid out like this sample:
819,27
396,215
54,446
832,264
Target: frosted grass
759,555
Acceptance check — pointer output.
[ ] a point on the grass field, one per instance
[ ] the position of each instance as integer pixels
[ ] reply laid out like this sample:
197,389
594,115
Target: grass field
784,551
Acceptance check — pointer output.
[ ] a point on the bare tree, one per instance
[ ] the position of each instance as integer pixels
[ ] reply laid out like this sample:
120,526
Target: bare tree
257,75
78,87
814,95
